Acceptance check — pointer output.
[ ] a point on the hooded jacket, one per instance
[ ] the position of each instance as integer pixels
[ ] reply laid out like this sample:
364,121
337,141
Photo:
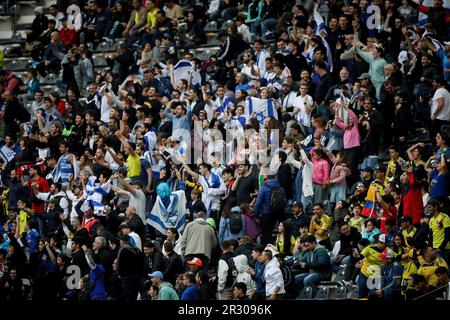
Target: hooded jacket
198,238
167,292
241,264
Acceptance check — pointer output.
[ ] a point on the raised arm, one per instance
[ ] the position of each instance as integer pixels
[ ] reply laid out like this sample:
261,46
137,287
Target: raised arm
125,143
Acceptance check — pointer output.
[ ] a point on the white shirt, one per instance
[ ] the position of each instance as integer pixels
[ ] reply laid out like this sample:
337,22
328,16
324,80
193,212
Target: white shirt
299,103
63,203
248,71
444,114
245,31
105,107
261,59
288,101
138,202
211,196
136,239
273,277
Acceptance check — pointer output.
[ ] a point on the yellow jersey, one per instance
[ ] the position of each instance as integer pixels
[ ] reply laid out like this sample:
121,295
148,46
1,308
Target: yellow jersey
437,226
134,166
407,235
280,243
324,224
372,262
23,218
427,270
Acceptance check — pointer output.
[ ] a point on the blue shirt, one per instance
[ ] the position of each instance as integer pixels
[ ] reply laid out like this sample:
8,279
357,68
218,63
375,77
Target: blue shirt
191,293
439,186
259,279
97,280
32,240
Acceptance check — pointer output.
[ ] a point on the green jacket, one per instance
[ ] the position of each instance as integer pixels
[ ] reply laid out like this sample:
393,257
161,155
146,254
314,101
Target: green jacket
167,292
376,69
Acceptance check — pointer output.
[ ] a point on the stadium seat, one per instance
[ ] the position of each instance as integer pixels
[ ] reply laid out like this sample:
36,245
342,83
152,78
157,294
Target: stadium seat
341,293
99,61
50,79
104,46
340,276
323,293
211,26
306,294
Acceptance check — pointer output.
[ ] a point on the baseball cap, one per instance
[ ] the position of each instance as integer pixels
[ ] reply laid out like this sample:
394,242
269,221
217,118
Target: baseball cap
447,43
402,93
365,75
39,9
380,167
196,262
386,254
236,209
321,65
382,238
297,203
156,274
63,18
167,36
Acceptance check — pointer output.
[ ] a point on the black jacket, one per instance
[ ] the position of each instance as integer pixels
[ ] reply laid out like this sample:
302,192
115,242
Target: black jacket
349,242
155,262
174,267
137,225
130,262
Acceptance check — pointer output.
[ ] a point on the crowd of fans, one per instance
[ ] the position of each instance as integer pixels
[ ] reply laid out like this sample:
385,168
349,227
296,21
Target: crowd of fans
123,183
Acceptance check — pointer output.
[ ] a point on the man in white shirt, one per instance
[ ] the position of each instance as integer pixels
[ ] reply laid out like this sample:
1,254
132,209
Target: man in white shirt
135,239
303,105
134,190
55,193
272,276
250,68
440,105
261,55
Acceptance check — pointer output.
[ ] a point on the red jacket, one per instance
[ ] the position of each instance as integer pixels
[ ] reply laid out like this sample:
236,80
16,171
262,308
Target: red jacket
412,200
68,36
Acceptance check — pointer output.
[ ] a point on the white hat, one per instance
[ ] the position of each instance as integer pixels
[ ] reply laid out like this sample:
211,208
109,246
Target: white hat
382,238
39,9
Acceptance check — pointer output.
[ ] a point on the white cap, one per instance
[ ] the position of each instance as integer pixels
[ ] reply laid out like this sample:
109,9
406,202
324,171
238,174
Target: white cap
382,238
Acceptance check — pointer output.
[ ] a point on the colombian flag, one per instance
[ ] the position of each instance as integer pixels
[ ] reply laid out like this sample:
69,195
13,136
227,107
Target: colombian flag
369,207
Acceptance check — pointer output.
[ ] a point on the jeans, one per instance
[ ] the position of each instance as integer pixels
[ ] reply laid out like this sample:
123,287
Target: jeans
40,221
363,290
338,192
307,280
335,264
307,203
267,225
268,24
370,161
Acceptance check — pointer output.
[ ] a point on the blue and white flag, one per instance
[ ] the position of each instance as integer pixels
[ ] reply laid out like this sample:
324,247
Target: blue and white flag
150,141
182,70
261,108
94,194
162,218
438,45
319,29
7,154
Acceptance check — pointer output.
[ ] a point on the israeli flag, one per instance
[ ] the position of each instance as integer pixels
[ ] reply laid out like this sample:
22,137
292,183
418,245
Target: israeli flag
7,154
435,42
261,108
162,218
319,29
150,141
94,194
182,70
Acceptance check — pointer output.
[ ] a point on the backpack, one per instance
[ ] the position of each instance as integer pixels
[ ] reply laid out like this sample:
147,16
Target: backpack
232,274
69,202
235,223
277,199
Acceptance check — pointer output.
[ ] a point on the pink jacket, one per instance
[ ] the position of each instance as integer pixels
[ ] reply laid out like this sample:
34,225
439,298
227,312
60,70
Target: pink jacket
321,171
339,171
351,134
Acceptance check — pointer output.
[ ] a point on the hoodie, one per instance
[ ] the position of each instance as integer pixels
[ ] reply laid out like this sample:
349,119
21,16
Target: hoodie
167,292
262,204
241,264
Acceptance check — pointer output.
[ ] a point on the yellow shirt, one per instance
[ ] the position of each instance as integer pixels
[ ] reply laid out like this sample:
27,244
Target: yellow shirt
427,270
134,166
23,218
358,223
151,16
280,243
391,169
437,226
372,261
407,235
324,224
